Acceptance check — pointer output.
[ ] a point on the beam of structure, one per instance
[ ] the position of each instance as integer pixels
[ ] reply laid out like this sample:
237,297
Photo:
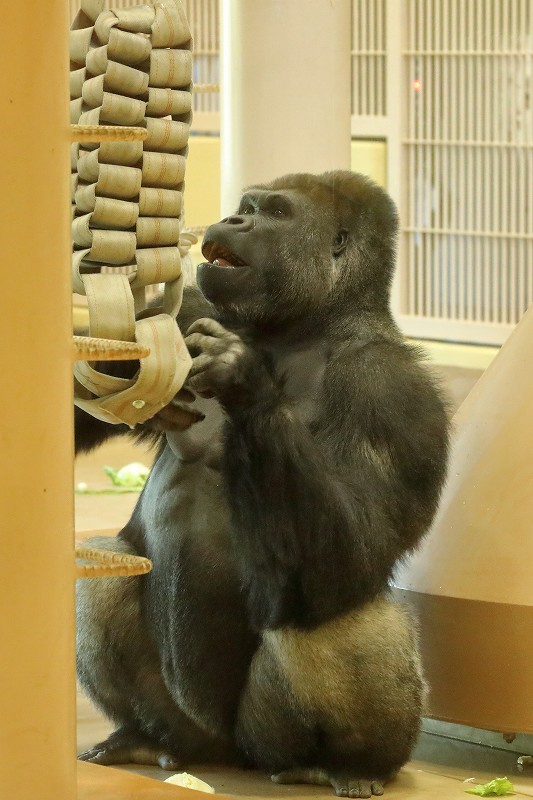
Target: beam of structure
471,582
37,682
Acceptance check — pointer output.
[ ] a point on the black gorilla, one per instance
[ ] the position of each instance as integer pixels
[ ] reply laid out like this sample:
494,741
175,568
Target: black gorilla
265,630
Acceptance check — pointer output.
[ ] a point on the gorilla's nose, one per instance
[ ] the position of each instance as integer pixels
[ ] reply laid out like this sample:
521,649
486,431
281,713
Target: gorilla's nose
245,220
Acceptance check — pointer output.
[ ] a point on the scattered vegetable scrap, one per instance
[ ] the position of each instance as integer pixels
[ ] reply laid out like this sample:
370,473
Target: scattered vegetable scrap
190,782
496,788
130,478
133,475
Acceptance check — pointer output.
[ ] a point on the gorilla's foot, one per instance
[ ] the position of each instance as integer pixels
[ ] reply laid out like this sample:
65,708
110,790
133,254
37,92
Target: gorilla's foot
344,783
125,746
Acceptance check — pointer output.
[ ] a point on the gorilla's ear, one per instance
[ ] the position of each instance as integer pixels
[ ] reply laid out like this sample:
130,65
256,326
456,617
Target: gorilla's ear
340,242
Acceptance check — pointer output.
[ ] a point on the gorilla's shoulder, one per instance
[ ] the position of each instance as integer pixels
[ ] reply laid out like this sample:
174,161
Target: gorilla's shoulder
386,373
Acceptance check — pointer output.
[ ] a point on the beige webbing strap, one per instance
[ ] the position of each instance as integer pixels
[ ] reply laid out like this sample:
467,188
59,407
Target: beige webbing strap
120,400
130,67
107,294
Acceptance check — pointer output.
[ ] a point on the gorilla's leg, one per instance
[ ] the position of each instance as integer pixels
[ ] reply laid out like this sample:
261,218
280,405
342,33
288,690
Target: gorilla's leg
339,704
119,668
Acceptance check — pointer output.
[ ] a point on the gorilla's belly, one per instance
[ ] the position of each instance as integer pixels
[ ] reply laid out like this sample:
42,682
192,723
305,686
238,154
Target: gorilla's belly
186,528
184,496
184,508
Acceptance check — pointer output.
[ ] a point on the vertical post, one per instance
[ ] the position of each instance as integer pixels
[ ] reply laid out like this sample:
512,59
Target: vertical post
37,688
285,80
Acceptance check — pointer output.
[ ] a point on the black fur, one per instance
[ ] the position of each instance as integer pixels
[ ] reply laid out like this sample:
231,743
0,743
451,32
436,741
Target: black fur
318,465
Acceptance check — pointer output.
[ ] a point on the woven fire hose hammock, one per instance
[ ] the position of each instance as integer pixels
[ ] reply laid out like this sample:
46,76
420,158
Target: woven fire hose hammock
131,99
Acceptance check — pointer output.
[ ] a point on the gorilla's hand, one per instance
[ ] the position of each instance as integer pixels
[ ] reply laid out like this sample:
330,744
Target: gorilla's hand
223,365
176,416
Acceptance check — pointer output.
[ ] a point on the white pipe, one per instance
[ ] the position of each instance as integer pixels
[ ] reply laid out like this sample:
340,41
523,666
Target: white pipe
285,90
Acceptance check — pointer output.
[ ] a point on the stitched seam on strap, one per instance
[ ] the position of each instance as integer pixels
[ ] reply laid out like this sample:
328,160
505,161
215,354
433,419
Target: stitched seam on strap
168,106
170,22
166,134
159,265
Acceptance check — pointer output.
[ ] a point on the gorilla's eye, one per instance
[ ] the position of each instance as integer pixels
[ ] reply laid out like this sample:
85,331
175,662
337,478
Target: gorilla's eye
278,212
247,209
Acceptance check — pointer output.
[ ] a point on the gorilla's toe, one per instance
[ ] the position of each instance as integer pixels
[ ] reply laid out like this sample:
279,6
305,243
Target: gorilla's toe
349,786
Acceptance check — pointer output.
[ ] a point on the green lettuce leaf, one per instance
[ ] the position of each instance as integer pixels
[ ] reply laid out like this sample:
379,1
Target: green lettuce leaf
132,475
130,478
496,788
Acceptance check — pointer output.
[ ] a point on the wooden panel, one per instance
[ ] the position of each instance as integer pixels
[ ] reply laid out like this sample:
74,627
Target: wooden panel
106,783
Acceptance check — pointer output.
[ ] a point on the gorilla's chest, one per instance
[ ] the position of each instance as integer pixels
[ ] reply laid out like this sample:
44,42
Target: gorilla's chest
302,372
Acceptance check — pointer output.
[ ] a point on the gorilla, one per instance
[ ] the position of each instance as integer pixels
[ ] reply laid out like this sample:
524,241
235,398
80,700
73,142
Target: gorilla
275,513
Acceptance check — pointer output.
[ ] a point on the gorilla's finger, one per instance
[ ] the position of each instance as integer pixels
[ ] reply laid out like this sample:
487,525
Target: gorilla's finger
194,344
184,396
198,343
175,418
210,327
200,383
149,312
206,393
200,363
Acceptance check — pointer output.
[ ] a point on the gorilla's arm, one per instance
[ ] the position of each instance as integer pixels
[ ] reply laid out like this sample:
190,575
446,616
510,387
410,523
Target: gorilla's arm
91,432
322,512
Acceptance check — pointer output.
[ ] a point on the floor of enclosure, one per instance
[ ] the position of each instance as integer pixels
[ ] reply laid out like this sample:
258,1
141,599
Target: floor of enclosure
440,765
437,772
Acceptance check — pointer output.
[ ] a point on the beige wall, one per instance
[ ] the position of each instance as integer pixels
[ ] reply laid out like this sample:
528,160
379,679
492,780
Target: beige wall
202,181
370,158
202,192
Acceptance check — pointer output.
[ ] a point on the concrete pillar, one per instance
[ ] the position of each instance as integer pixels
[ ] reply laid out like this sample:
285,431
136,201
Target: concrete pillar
285,90
37,688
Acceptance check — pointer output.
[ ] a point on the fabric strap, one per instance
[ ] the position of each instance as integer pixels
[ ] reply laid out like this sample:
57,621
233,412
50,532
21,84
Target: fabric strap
131,67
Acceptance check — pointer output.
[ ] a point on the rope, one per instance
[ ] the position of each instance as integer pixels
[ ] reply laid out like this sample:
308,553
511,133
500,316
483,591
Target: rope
108,564
87,348
106,133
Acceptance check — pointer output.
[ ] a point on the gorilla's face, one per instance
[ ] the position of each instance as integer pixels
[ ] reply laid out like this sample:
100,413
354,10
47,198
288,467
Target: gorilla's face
300,247
272,261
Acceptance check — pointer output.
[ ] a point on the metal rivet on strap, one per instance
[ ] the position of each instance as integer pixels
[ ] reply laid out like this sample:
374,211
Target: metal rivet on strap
138,403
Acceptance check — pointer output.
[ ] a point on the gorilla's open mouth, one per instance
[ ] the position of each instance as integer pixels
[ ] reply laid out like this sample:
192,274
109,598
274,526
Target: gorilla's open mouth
220,256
